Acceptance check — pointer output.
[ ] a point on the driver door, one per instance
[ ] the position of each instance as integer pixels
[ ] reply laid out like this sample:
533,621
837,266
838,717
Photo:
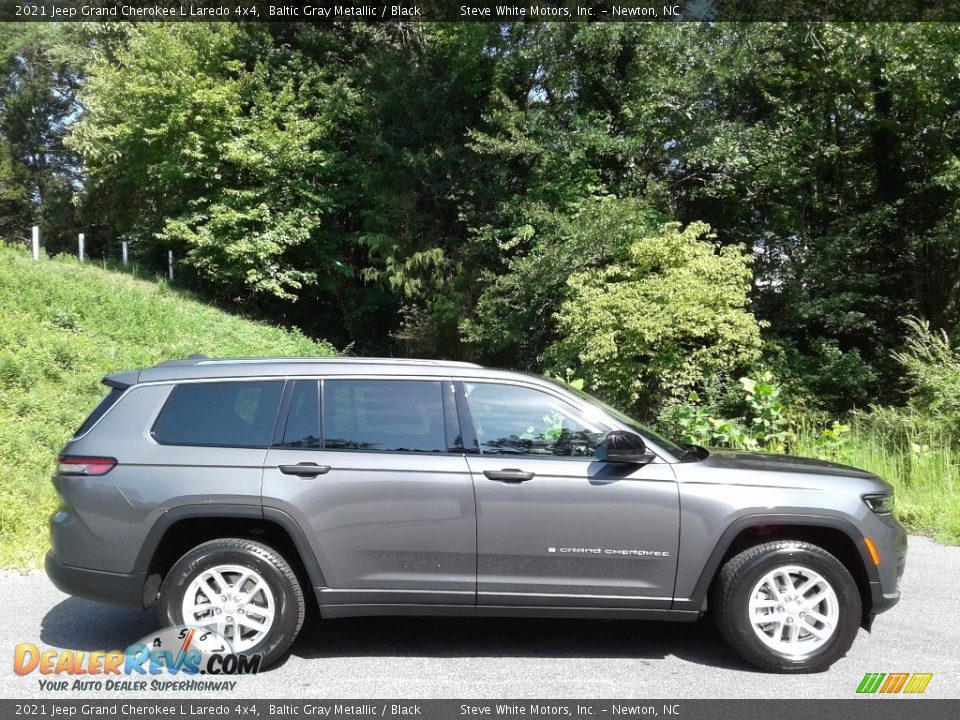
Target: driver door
555,526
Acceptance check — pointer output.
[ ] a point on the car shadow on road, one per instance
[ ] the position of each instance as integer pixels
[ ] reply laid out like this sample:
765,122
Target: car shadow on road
80,624
698,642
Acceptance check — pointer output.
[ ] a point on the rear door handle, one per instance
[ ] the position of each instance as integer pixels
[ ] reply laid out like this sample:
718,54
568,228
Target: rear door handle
509,475
304,469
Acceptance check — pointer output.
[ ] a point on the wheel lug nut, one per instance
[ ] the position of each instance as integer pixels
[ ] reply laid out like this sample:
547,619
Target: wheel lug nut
229,618
789,620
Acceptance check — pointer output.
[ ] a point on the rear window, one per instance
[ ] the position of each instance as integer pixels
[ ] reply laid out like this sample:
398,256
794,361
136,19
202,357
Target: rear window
220,414
386,415
105,404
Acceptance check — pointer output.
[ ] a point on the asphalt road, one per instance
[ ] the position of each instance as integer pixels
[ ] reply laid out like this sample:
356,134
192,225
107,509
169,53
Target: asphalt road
500,658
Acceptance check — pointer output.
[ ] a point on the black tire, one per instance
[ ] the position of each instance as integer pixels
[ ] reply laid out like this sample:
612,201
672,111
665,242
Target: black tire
268,563
739,576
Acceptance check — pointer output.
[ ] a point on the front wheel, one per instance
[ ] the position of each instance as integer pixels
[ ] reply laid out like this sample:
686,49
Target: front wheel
243,590
787,606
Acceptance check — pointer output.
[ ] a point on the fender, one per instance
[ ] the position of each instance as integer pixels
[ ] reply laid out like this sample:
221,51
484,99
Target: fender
699,594
229,510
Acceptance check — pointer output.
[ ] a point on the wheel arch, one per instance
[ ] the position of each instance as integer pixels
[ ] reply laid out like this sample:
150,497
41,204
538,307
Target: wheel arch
182,528
837,536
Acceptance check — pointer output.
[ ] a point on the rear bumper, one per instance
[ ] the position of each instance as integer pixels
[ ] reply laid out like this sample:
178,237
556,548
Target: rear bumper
126,589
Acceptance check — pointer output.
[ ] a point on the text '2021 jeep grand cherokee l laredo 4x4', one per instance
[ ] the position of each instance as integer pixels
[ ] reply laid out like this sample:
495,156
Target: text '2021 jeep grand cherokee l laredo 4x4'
223,490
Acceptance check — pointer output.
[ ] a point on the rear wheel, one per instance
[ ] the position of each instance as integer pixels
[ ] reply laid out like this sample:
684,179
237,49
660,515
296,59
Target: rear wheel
787,606
243,590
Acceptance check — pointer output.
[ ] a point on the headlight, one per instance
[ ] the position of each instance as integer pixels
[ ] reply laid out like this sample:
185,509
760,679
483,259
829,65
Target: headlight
880,504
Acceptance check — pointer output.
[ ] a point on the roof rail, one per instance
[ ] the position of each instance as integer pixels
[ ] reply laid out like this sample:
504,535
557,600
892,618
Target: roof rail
204,360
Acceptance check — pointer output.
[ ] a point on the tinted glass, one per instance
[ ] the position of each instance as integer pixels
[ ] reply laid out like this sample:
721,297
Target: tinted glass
303,418
394,415
641,430
513,420
105,404
227,414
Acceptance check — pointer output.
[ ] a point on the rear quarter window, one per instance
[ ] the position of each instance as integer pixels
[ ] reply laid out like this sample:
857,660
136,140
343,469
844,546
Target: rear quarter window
220,414
108,401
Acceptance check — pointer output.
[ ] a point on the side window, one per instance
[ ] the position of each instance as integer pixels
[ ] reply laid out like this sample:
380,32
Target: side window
221,414
108,401
303,417
394,415
514,420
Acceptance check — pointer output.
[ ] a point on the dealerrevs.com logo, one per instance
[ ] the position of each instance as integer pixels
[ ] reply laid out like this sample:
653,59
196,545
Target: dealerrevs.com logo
169,660
894,683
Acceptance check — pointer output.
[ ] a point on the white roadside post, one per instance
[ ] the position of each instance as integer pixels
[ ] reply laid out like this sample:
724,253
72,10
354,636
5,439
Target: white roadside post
170,264
36,242
80,245
125,256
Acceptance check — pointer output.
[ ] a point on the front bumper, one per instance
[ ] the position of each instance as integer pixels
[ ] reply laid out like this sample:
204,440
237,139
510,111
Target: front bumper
885,591
126,589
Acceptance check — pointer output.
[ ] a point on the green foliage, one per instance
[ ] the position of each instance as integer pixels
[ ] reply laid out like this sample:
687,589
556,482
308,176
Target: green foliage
40,74
919,458
514,315
931,366
223,145
768,423
834,440
662,321
63,326
765,425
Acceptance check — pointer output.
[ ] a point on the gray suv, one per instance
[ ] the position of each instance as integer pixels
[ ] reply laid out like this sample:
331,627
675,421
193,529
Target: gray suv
223,491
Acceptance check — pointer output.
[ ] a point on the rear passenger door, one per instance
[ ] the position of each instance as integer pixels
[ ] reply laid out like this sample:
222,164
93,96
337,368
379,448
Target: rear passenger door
373,471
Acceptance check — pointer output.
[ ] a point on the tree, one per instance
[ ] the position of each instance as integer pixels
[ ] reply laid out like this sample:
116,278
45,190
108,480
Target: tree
40,66
668,319
212,140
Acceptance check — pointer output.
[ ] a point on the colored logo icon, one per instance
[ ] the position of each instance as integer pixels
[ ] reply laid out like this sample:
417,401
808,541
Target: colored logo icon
893,683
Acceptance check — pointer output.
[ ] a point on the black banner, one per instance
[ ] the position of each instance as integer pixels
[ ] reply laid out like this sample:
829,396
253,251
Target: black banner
478,10
236,709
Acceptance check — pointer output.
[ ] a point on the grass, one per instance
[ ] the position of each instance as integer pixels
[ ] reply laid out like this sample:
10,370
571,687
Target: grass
919,459
63,326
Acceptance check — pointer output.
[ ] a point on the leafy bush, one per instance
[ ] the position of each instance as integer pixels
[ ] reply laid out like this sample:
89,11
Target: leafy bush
765,425
932,367
664,321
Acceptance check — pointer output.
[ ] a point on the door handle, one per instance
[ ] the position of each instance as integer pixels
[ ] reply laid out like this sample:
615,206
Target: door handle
509,475
304,469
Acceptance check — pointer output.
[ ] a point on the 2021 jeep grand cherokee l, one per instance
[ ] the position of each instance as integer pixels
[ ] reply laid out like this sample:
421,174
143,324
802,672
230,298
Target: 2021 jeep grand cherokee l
224,490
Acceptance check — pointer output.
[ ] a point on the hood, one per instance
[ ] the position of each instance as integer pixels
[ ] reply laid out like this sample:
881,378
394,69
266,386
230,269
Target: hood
732,460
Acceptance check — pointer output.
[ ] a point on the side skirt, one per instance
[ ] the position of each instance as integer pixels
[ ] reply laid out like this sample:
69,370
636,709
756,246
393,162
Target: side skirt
342,610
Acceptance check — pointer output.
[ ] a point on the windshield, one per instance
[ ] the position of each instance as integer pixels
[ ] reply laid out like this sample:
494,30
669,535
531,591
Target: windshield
642,430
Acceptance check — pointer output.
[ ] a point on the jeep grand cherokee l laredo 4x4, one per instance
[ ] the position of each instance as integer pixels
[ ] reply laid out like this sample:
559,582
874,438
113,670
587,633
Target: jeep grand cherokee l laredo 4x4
224,490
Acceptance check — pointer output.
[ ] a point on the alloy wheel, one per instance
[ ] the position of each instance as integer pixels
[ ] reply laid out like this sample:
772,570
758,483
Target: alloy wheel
233,601
793,610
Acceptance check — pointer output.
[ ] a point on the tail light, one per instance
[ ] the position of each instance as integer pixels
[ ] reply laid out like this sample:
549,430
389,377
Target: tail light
77,465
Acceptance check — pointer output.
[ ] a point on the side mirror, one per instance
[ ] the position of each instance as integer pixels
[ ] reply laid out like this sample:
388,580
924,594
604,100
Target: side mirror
620,446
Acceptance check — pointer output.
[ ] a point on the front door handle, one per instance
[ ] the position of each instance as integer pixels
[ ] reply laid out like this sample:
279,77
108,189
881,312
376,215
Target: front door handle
509,475
304,469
